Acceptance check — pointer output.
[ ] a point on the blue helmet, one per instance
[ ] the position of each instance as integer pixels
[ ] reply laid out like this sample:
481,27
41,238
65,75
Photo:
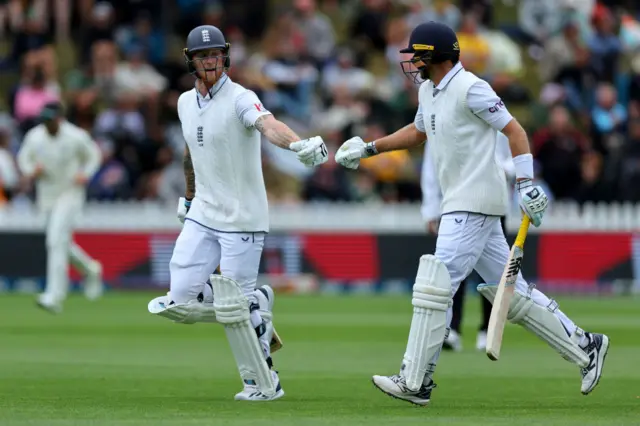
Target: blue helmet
205,37
430,43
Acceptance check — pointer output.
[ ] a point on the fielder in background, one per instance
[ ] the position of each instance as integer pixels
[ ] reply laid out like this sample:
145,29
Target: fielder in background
225,212
431,199
61,158
460,116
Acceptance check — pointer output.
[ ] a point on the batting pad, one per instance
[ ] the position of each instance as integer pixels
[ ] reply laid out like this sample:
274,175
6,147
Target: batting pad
542,322
232,310
431,300
183,313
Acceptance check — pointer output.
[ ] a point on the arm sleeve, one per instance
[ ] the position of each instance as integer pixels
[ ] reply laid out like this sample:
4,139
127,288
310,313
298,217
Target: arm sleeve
431,196
419,120
91,155
249,108
486,104
26,158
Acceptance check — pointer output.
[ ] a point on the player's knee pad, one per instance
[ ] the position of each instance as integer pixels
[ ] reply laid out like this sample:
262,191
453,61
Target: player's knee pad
232,310
183,313
543,322
431,300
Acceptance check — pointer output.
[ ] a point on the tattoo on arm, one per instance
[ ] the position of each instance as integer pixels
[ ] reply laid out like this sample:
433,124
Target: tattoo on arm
276,131
189,174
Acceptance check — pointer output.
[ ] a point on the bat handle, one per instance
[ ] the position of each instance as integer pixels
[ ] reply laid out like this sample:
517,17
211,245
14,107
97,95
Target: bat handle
522,232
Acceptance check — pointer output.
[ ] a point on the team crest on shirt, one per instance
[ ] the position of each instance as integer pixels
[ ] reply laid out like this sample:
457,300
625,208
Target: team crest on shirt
433,123
200,136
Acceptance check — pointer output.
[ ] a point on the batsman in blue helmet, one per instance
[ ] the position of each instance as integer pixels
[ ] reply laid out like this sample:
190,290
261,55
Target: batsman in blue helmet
460,116
225,212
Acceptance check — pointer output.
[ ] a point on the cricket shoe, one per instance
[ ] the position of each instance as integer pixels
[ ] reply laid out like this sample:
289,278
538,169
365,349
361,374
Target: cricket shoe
93,286
453,342
396,386
481,340
251,392
596,350
45,302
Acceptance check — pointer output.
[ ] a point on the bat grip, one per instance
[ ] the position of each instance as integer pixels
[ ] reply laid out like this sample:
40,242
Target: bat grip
522,232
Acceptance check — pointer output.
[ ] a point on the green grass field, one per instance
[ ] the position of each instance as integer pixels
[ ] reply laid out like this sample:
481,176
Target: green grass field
112,363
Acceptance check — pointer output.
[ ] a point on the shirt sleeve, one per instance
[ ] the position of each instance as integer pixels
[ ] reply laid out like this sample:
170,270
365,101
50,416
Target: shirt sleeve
91,154
419,120
486,104
27,161
249,108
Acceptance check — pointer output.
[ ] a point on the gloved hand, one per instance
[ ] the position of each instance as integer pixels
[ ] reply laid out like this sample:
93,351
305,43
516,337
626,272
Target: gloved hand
350,153
183,208
311,152
533,200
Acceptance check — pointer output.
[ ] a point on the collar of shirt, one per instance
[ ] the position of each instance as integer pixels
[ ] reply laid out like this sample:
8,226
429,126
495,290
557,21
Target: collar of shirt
447,78
211,92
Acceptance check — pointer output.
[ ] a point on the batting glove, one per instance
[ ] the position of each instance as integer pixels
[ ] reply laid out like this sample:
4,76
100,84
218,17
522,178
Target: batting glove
311,152
533,200
183,208
353,150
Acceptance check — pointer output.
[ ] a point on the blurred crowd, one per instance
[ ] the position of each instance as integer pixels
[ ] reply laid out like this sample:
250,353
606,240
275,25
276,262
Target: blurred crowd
568,69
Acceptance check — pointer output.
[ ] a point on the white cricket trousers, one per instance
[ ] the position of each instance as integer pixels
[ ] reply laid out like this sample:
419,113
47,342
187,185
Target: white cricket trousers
468,241
60,221
199,250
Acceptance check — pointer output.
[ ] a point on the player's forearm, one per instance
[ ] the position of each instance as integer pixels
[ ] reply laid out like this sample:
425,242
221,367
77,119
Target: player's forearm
519,145
407,137
189,175
276,131
92,163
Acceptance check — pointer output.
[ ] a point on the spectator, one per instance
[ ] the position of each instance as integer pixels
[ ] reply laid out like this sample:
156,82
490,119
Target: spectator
474,49
559,149
9,176
344,72
609,119
605,46
142,37
368,26
629,186
31,96
318,31
443,11
99,28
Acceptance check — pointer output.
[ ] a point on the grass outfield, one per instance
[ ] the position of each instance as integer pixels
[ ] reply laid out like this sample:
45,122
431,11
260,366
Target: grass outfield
112,363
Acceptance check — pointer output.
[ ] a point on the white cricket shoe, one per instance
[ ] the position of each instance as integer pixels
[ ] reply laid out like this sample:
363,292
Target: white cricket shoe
252,393
93,286
453,342
481,340
45,302
396,386
596,350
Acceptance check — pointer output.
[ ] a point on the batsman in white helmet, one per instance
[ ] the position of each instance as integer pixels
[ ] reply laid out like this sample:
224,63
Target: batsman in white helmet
460,115
225,212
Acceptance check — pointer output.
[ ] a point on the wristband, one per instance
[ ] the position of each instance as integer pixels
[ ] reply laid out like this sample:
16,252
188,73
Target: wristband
370,149
524,166
187,202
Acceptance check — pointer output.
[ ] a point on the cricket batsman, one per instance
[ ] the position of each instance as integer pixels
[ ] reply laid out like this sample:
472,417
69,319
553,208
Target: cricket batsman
225,212
430,210
460,115
61,158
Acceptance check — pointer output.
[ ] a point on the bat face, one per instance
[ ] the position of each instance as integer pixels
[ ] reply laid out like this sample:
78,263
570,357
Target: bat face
513,267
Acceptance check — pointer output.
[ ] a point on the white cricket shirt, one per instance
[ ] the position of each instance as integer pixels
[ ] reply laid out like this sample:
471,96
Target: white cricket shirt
71,151
225,151
462,118
431,195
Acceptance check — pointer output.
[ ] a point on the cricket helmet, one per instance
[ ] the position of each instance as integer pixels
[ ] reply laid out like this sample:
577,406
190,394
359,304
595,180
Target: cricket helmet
206,37
430,43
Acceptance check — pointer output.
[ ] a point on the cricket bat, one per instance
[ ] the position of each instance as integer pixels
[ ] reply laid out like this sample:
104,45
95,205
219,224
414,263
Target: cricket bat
504,294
